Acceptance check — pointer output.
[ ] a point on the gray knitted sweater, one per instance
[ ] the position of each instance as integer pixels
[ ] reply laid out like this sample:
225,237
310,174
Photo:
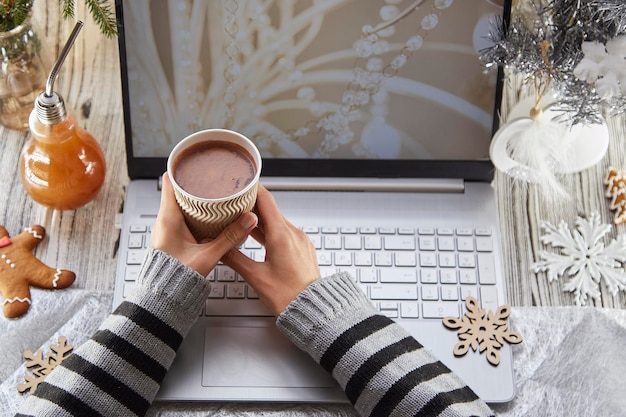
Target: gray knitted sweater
383,371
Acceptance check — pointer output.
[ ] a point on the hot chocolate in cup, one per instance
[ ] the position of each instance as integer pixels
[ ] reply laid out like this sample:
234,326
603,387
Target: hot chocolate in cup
215,174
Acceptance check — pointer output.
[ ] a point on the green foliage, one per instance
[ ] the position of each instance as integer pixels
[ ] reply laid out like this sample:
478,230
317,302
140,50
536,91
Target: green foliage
13,13
102,11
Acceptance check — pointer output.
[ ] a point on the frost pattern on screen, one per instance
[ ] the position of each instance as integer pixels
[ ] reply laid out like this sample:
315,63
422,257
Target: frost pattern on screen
313,78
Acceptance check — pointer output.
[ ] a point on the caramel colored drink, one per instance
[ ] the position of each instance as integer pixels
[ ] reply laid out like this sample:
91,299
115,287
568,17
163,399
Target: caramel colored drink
215,174
62,166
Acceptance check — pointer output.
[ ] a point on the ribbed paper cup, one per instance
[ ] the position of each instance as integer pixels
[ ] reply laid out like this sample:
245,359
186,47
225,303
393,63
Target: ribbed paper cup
207,217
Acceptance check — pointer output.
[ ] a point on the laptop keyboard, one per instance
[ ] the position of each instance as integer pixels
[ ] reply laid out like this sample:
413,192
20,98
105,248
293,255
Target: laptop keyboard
407,273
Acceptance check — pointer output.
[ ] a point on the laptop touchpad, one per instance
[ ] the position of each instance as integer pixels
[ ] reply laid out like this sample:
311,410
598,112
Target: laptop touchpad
258,357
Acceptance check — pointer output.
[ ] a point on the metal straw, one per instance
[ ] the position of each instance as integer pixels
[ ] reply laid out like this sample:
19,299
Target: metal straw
64,52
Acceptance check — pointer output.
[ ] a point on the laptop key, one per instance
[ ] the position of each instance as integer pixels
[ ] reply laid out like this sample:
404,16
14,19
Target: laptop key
409,310
132,272
449,293
129,287
135,241
486,268
352,242
332,242
241,307
484,244
468,291
217,290
399,275
343,258
393,292
405,259
399,242
135,256
368,275
439,309
383,258
445,243
235,290
489,298
373,243
427,243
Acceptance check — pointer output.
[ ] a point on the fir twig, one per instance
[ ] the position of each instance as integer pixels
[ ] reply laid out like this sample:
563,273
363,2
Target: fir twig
102,12
67,8
13,13
104,16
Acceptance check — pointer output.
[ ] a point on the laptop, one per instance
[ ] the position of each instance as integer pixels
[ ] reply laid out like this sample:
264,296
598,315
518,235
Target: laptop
374,121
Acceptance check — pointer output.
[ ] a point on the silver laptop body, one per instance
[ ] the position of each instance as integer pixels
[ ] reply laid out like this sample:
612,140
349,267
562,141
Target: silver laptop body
405,168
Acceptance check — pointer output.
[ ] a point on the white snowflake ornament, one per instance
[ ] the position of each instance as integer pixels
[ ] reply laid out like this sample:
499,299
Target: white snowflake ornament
604,66
584,258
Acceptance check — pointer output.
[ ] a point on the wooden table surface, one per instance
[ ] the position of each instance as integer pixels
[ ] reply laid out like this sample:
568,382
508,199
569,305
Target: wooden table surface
86,240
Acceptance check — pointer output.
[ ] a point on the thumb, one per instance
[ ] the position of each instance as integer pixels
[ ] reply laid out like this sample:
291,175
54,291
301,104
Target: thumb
234,234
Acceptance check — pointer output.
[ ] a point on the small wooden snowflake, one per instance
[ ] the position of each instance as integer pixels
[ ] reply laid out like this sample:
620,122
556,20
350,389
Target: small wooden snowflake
482,329
40,367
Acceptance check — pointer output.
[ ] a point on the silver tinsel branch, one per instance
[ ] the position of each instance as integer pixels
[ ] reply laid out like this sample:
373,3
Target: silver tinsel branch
546,45
613,11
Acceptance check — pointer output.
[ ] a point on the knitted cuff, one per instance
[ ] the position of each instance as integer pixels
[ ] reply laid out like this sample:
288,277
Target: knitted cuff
173,287
310,319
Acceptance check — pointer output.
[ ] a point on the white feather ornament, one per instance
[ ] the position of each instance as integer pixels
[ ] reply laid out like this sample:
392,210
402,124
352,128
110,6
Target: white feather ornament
538,150
533,147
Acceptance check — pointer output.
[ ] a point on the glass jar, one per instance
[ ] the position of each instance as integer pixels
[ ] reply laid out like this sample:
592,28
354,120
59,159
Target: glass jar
25,63
62,166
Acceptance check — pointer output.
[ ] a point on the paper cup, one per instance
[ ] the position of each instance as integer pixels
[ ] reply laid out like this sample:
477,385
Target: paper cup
207,217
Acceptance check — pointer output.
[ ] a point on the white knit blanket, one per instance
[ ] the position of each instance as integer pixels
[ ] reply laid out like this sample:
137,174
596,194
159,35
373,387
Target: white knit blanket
572,361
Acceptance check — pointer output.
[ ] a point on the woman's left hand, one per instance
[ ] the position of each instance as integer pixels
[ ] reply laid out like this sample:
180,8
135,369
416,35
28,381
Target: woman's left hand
171,235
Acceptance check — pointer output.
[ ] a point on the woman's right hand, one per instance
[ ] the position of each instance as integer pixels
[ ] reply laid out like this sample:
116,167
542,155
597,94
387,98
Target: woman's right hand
290,263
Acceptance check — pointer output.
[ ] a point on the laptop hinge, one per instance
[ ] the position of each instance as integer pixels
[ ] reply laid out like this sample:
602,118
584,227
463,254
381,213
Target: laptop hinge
453,185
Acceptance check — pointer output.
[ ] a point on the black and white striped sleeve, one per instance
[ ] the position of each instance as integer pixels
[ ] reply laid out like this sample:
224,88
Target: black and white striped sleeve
119,370
382,369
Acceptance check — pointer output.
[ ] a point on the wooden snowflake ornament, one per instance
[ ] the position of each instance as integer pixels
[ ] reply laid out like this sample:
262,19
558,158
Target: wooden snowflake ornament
616,190
482,329
40,367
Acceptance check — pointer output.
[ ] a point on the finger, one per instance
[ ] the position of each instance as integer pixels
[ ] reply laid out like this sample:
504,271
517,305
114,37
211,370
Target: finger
272,219
169,206
170,218
239,262
258,235
166,191
233,235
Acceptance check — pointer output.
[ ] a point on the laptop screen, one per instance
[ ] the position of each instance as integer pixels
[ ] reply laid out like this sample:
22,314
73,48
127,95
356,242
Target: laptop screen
335,88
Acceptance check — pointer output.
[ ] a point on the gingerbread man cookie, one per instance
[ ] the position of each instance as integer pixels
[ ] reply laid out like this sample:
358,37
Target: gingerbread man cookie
20,269
616,190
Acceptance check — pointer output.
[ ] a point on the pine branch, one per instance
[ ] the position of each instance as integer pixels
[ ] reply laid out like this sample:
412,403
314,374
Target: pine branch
13,13
67,8
102,11
104,16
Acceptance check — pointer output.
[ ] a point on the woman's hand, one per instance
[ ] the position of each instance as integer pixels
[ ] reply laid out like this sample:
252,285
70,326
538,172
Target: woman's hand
290,261
171,235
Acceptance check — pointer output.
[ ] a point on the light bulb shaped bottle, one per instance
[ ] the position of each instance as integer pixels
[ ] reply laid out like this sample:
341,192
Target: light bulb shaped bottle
61,166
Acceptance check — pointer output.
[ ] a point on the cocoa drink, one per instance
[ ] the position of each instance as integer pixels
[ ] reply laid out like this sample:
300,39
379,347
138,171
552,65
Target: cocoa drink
214,169
215,174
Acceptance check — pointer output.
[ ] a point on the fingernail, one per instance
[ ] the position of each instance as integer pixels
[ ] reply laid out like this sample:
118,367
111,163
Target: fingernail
248,220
